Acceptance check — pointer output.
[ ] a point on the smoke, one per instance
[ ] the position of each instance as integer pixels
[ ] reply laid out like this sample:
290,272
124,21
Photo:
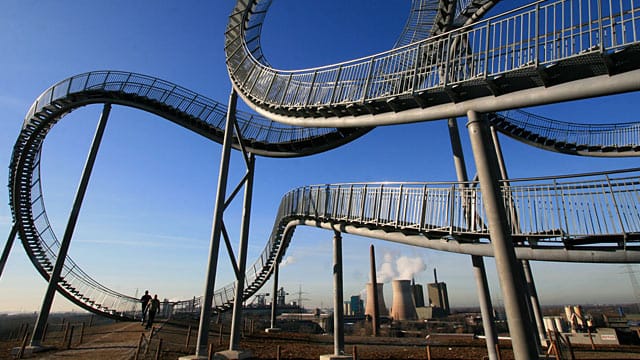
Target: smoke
399,267
288,261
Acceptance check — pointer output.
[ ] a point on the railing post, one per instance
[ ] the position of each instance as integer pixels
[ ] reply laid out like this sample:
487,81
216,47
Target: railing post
367,83
335,85
600,29
615,203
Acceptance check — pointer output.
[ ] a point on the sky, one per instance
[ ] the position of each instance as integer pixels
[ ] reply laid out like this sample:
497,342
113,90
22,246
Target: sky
146,219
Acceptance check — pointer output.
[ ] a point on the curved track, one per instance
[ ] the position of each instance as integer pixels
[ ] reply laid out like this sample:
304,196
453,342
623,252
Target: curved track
349,98
545,52
188,109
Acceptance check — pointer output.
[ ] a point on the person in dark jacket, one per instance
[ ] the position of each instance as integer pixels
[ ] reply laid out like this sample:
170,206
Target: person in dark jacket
144,300
154,306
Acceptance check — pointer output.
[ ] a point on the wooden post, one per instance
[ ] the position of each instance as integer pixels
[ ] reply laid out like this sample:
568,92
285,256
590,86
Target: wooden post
498,351
66,333
25,339
159,350
68,346
355,352
220,339
278,352
81,333
210,353
593,345
428,350
573,356
139,346
188,338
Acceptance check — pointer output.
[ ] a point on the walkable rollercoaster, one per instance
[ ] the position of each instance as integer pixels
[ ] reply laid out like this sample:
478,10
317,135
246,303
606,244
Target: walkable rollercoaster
450,60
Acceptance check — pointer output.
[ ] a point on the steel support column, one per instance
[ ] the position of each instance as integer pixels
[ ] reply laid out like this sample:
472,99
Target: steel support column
479,272
54,277
532,301
7,247
214,247
338,307
507,266
236,318
274,302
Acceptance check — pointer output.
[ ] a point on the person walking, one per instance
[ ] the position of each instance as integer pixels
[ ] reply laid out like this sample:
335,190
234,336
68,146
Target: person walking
144,300
154,306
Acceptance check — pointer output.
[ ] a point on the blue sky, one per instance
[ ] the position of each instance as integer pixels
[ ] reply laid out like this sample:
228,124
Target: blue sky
146,220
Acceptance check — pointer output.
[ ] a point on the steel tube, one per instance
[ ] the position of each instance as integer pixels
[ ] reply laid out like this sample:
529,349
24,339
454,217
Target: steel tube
236,318
214,247
274,302
338,314
512,285
479,272
7,247
54,278
480,249
578,89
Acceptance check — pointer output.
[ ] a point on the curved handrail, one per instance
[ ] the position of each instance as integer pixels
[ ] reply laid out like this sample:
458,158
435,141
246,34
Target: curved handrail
184,107
430,210
462,64
589,217
598,140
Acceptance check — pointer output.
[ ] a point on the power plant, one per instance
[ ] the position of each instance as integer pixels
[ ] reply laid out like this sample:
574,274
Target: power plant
404,307
382,308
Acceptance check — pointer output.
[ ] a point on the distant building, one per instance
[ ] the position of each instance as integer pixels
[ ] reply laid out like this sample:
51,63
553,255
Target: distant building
418,294
438,298
357,305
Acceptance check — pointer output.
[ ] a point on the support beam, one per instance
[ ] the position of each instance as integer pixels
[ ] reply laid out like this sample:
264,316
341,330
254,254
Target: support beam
274,301
338,307
512,285
236,319
532,301
54,277
214,247
479,272
7,247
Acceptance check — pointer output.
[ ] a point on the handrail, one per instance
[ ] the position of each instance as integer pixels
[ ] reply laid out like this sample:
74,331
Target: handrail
257,127
187,108
479,51
582,138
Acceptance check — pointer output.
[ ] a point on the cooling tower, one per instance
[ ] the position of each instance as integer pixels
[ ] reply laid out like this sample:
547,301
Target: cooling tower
403,308
382,308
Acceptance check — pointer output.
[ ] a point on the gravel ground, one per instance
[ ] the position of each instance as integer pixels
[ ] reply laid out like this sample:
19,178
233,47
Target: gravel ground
120,341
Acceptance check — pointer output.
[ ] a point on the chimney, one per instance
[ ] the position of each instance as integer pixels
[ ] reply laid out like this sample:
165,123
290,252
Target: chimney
382,308
403,307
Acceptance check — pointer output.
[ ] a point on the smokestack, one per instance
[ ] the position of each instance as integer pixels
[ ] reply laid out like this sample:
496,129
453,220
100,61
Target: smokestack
382,308
435,275
403,307
375,317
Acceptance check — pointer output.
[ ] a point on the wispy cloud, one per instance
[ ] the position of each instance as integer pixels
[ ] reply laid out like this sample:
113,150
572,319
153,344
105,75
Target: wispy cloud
288,261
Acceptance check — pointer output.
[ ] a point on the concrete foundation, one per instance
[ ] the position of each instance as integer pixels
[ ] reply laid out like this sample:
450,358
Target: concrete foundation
233,355
335,357
29,350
